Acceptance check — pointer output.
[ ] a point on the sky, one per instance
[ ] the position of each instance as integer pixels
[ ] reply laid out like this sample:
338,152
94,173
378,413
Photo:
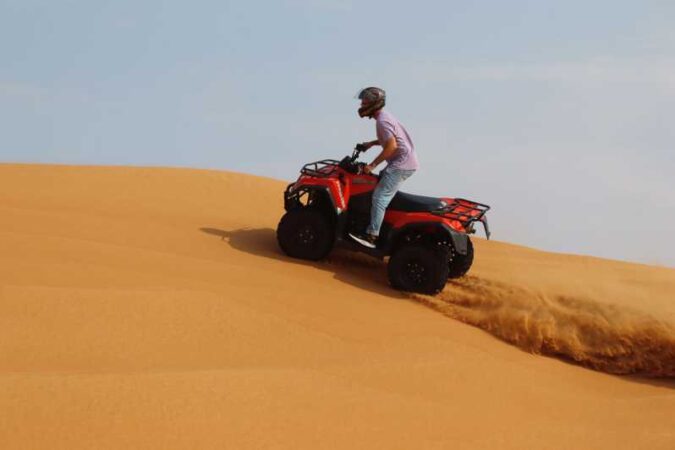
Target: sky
558,114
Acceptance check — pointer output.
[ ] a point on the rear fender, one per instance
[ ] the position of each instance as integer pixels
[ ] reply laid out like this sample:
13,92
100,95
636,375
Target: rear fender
436,232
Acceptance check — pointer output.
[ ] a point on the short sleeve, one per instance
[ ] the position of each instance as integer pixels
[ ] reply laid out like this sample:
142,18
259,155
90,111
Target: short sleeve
385,131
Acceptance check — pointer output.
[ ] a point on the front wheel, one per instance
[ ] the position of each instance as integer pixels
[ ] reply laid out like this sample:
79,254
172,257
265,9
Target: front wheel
459,265
419,268
306,234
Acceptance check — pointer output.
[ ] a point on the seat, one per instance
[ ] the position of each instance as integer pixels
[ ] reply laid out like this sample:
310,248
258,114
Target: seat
415,203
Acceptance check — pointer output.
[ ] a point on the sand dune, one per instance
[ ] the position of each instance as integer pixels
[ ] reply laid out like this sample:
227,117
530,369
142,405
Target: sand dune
151,308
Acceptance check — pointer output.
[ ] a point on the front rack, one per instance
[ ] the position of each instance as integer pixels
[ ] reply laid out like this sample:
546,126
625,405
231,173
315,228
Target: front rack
320,169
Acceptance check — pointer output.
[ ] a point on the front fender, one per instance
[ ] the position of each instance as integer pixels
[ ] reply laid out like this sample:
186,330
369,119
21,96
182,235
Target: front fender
292,196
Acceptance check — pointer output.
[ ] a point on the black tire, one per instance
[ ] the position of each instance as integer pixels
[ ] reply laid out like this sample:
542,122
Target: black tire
419,268
459,265
306,234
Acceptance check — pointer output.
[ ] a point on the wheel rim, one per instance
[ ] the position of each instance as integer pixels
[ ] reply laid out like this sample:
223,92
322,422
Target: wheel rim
306,236
415,273
452,254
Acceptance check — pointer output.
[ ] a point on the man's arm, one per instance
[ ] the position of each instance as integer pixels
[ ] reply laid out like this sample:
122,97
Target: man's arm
387,152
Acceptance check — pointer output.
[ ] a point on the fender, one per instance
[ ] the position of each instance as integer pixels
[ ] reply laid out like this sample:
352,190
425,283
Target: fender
459,240
291,195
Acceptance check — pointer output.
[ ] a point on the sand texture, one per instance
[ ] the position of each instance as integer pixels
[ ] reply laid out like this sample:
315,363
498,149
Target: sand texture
148,308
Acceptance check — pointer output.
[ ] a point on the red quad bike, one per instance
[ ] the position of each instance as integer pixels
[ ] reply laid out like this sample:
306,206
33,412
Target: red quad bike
426,238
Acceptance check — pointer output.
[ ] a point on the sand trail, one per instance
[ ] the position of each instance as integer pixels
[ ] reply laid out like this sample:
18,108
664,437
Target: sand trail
594,334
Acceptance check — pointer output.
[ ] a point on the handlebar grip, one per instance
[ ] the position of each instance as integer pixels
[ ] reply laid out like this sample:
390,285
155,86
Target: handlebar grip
361,147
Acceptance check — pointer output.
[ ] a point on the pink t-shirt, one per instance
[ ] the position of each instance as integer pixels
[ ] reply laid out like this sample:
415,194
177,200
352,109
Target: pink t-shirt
387,126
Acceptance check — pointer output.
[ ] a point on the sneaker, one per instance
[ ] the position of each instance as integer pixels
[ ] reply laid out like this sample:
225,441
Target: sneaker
365,239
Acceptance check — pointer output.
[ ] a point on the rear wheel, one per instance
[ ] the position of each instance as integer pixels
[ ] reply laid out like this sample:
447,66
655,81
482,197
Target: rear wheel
306,234
459,265
419,268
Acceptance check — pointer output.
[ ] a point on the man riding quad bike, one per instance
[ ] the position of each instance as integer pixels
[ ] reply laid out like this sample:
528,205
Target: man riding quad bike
425,238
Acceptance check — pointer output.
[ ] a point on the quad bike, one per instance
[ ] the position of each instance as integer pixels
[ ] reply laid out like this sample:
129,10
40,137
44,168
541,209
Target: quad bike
425,238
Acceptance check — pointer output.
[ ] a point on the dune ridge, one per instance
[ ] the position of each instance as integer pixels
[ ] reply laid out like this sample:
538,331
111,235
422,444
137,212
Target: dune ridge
602,336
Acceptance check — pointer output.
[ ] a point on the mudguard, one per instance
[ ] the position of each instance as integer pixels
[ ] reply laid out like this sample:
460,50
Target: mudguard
293,193
459,240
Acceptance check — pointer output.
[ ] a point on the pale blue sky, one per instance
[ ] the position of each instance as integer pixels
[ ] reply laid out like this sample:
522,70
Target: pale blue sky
557,113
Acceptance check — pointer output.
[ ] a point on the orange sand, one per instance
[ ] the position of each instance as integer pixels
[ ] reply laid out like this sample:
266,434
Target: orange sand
146,308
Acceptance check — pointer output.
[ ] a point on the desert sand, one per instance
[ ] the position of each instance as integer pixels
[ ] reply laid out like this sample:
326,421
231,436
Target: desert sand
150,308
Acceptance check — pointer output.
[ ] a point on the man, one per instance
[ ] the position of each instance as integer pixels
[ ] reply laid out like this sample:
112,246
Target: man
399,152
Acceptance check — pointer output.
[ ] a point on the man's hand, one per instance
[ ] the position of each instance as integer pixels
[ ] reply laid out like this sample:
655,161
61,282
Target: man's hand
364,146
368,169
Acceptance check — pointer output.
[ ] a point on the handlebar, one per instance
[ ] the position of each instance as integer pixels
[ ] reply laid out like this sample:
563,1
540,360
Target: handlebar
358,149
351,164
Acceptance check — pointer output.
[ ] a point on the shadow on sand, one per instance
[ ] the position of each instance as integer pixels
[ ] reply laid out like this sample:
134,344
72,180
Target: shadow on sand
352,268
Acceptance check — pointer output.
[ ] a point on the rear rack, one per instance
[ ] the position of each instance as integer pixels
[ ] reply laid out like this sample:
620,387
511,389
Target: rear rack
320,169
467,212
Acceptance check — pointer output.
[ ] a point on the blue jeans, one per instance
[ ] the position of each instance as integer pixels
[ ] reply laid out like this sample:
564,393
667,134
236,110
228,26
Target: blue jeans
390,182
